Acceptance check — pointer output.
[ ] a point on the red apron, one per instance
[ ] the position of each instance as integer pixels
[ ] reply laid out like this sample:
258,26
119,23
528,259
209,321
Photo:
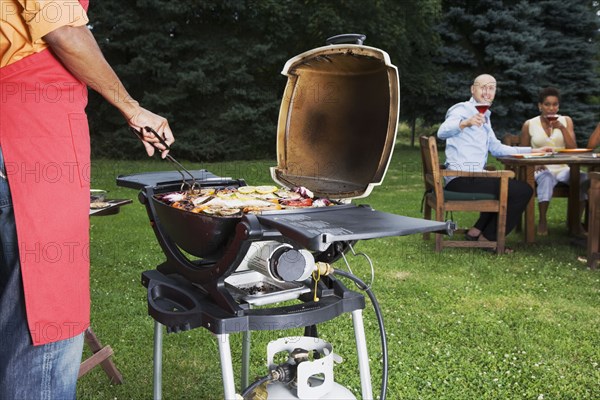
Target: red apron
45,142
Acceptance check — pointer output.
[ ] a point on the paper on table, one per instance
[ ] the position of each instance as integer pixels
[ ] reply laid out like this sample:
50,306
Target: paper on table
533,155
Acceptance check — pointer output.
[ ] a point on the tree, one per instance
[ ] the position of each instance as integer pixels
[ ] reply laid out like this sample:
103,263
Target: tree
526,46
204,65
212,67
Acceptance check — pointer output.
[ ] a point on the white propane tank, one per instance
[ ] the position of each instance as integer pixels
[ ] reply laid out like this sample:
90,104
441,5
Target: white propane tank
314,378
281,391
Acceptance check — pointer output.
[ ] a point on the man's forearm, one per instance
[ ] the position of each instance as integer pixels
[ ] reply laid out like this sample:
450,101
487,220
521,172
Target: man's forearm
78,51
450,127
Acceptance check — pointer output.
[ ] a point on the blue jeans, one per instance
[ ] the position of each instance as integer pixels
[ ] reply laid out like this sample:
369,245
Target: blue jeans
49,371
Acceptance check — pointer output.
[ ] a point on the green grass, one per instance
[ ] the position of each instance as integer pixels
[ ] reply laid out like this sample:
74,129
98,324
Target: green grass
461,324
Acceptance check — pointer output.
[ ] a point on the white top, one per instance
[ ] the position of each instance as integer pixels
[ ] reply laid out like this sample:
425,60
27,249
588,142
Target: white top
539,138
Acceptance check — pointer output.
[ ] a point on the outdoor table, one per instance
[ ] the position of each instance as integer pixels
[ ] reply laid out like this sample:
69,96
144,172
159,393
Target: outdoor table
102,354
524,170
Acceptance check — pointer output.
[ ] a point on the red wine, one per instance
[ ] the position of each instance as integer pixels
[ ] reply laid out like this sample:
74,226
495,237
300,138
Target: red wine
482,108
552,117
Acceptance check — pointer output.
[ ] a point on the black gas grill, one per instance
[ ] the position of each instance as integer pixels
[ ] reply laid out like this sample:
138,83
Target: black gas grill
337,128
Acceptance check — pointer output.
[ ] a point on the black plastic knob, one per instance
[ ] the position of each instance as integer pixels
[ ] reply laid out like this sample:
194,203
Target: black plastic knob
288,264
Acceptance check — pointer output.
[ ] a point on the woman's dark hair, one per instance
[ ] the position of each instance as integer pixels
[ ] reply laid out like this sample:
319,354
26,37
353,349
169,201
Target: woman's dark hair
549,91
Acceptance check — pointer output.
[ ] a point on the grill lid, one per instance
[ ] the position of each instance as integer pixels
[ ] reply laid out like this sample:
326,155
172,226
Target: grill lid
337,122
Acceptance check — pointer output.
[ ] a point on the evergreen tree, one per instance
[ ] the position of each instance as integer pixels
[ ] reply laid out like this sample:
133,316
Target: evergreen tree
205,65
526,45
213,67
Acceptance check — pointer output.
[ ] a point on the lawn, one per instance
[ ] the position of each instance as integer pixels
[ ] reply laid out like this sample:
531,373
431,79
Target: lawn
461,324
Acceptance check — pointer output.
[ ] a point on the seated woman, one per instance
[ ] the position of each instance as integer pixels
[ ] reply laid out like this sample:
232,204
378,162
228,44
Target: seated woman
547,130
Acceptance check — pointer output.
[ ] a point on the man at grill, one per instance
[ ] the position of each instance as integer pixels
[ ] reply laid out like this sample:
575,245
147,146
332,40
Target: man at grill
47,57
469,138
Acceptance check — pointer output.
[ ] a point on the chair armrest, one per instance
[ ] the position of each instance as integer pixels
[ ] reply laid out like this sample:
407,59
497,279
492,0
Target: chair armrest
479,174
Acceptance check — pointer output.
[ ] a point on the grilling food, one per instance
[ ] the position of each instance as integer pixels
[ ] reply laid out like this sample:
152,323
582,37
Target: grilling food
96,205
233,202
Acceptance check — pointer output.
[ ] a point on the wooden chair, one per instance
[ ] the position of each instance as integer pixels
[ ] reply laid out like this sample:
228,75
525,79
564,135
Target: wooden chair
511,140
101,356
443,201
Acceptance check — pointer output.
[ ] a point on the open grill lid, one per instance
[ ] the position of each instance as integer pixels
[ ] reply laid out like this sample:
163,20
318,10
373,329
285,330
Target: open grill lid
338,120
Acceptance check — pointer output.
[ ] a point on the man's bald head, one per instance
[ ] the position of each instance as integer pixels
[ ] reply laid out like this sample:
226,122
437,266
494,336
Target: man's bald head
483,88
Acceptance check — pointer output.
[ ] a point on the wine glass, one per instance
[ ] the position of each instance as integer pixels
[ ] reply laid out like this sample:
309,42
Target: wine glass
482,107
552,117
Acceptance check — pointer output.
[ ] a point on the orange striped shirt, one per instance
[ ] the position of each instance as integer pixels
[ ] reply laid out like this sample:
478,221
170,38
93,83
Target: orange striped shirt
23,24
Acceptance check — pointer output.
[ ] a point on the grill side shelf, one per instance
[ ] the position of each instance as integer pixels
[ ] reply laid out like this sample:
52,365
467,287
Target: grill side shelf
317,228
141,180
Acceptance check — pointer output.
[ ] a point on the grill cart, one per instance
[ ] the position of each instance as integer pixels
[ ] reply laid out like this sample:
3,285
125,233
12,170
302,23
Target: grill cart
272,270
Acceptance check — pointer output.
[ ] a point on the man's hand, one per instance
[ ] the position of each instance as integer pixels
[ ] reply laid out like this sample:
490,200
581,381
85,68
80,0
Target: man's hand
145,118
476,120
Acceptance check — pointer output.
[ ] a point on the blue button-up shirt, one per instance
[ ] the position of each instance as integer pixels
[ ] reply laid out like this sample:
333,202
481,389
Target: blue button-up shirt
467,149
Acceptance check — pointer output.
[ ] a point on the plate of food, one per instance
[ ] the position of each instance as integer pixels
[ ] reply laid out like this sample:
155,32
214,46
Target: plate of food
575,150
107,207
533,155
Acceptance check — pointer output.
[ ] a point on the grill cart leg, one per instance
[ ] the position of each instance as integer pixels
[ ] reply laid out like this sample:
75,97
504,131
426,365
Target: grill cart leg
363,357
226,367
158,344
246,337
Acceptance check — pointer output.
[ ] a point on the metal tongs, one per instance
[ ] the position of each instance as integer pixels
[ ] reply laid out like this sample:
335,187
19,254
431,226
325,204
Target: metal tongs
180,168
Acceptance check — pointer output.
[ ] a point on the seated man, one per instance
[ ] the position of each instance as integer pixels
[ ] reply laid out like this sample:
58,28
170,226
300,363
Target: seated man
469,137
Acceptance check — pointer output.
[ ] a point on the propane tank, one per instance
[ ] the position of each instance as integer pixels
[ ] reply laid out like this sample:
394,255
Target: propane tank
303,376
280,391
